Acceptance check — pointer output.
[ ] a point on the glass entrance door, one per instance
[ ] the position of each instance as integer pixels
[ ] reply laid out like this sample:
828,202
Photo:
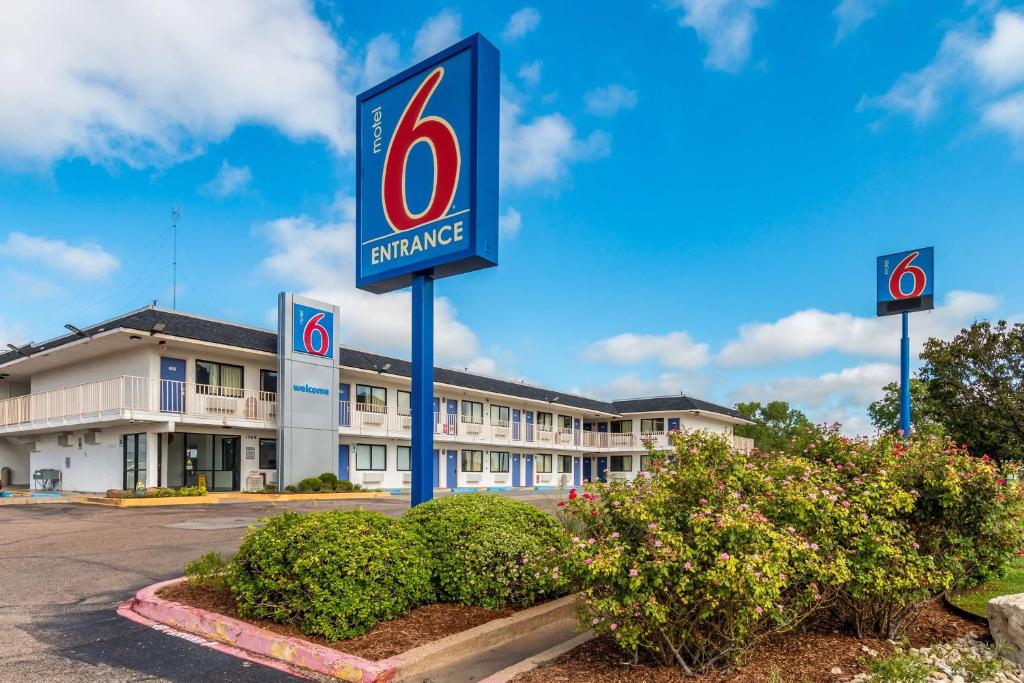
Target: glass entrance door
134,452
215,458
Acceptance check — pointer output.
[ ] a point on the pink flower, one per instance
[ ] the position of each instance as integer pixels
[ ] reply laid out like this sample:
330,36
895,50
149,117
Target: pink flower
615,534
657,544
687,565
916,546
613,626
703,501
652,526
724,557
589,561
758,610
634,572
846,503
595,621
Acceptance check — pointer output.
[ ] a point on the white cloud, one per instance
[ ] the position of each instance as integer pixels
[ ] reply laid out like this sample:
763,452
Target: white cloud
152,83
1007,115
437,33
83,262
975,66
850,14
1000,59
633,385
320,261
726,26
811,332
382,60
675,350
530,73
520,23
609,100
228,181
841,396
509,223
541,149
30,286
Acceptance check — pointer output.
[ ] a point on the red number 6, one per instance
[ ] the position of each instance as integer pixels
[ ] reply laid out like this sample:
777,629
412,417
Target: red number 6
904,268
313,325
410,131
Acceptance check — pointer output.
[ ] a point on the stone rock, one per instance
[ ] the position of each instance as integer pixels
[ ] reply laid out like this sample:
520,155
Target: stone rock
1006,622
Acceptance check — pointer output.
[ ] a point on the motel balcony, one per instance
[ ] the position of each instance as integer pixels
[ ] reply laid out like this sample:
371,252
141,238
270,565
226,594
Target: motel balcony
126,399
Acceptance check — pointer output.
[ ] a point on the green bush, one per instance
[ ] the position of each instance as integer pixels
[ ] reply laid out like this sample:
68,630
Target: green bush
329,481
310,484
192,491
333,574
291,488
207,571
345,486
490,551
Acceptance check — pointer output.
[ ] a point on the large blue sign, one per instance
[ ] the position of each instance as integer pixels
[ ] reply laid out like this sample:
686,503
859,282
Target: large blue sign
906,281
427,169
312,330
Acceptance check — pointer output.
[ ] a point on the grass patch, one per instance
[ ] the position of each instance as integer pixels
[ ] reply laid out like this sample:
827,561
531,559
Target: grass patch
976,599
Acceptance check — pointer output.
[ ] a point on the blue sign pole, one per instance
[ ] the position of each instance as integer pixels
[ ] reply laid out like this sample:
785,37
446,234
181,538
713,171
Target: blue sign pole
905,376
422,388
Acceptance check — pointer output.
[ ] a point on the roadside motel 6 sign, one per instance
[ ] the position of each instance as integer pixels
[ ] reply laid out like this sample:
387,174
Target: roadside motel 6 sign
312,329
427,169
906,281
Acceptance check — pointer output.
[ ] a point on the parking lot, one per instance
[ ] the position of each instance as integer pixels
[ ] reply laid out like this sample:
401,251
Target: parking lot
64,569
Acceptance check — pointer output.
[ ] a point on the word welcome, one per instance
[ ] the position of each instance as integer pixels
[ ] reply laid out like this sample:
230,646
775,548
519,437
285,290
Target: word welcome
306,389
408,246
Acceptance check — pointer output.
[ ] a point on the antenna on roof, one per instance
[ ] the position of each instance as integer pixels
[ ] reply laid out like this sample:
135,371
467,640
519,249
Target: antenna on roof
175,215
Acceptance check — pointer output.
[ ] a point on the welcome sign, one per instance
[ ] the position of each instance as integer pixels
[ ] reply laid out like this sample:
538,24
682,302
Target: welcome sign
427,174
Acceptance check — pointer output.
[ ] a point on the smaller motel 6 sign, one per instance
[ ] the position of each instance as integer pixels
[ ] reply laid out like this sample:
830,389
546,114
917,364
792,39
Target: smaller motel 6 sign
427,177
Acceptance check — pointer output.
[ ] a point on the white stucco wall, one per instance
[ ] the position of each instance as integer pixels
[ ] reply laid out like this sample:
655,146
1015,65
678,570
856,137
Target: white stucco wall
136,362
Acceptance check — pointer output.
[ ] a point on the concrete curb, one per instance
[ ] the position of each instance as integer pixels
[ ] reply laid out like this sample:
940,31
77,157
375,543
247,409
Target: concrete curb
531,663
238,495
152,502
325,660
215,498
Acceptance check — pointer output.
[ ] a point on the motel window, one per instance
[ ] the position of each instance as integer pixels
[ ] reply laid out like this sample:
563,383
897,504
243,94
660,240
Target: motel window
500,416
565,423
473,412
652,425
544,463
404,402
268,381
499,461
565,464
371,457
219,379
268,454
372,399
622,463
404,456
621,426
544,422
472,461
646,463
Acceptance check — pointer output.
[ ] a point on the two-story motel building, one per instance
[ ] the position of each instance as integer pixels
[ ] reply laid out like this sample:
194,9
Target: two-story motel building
161,397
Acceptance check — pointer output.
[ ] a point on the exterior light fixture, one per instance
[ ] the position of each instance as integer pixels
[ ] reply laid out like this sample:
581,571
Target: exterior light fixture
74,330
157,328
18,351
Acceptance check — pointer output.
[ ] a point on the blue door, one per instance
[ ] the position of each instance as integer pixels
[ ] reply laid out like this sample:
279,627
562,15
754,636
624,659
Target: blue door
586,469
529,469
437,466
452,473
529,425
673,424
172,388
344,408
515,470
451,427
576,471
342,461
576,431
437,417
515,424
602,468
602,427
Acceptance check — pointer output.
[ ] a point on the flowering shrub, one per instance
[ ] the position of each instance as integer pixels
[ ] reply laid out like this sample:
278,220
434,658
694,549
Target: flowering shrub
333,574
682,564
490,551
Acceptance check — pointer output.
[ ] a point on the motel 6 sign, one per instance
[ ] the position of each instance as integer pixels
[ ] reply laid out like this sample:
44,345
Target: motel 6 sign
312,329
427,176
906,281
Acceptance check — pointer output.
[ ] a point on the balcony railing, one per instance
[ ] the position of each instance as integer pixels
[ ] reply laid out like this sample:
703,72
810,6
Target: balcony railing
129,397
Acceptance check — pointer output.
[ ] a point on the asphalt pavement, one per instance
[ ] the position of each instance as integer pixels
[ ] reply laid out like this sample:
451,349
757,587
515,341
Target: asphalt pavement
65,568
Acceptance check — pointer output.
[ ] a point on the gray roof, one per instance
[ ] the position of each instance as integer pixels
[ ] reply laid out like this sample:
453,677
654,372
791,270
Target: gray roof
231,334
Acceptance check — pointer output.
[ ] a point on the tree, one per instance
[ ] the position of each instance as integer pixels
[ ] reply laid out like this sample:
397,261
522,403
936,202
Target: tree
976,387
775,424
885,412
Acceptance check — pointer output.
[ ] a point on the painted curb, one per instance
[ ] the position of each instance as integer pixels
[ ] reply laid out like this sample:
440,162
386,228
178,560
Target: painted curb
307,655
238,495
215,498
531,663
153,502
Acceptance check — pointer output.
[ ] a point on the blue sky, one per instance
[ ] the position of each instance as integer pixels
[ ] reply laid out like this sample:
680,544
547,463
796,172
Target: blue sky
693,192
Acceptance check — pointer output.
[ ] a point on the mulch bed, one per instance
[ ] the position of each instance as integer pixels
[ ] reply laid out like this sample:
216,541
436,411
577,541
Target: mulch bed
800,657
421,626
